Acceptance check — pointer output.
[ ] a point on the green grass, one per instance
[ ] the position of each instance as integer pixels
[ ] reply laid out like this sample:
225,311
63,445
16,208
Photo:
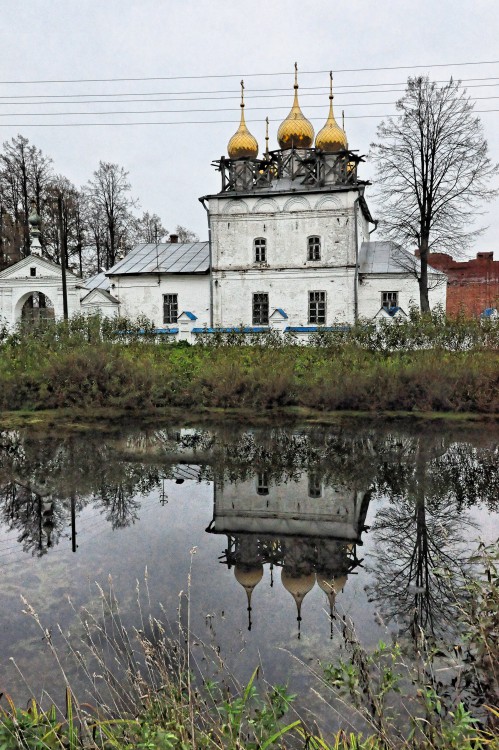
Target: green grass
421,366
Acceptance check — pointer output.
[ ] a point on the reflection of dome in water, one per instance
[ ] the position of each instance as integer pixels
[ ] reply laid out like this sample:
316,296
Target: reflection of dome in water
248,576
298,587
332,585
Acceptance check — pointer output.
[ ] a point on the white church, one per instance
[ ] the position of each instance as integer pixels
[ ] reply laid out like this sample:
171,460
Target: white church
288,248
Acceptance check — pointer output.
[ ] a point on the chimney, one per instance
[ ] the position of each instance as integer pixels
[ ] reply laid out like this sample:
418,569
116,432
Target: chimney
174,238
485,256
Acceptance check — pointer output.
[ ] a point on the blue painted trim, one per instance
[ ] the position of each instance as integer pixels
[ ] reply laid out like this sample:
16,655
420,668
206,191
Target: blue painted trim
230,330
143,332
281,312
314,329
190,315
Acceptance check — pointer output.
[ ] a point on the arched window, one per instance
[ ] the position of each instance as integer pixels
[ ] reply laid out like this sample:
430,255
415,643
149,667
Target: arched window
314,248
260,245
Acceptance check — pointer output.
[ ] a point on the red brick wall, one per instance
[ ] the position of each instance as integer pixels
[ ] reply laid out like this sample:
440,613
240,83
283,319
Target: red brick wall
473,285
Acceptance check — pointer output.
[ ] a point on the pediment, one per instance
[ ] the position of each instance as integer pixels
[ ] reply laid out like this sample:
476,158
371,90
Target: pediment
100,297
44,269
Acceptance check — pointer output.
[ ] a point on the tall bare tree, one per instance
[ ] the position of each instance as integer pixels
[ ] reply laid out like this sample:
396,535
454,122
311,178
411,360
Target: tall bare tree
433,171
25,174
73,226
110,202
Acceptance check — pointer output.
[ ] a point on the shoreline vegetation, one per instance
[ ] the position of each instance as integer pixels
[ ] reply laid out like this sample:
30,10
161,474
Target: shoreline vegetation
428,365
150,692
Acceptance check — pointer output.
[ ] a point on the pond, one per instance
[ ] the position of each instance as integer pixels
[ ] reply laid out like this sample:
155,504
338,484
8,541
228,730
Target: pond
274,536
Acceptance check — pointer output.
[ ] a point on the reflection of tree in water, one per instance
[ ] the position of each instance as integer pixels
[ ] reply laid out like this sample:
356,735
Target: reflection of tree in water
108,470
42,479
121,500
39,520
422,542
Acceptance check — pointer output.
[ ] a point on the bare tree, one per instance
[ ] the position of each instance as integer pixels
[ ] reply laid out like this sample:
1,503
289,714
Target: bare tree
185,235
433,171
25,173
149,228
73,225
110,203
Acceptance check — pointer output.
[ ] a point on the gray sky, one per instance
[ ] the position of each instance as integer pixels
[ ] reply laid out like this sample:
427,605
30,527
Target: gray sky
169,165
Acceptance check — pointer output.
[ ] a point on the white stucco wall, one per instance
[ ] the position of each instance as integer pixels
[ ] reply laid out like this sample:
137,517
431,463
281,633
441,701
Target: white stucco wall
372,286
142,294
17,284
287,289
285,221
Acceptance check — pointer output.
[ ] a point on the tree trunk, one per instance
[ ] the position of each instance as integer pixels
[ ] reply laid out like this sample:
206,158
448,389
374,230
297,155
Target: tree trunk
424,300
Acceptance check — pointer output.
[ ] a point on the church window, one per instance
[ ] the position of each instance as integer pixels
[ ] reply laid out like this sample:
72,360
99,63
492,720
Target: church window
260,245
389,299
314,485
317,307
262,483
314,248
32,271
260,309
170,308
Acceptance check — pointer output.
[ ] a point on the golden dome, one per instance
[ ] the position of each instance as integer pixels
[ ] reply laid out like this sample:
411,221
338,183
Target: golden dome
295,131
242,144
331,138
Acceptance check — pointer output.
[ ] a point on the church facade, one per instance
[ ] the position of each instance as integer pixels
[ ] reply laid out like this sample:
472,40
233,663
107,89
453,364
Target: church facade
289,247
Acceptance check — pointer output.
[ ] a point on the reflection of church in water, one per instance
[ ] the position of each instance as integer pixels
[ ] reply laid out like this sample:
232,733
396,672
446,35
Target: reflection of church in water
305,527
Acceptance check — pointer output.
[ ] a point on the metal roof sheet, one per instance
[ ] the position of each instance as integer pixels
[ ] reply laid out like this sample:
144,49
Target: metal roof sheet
388,257
99,281
165,257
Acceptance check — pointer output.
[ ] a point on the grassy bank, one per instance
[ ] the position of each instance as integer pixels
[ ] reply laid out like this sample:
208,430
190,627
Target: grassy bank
419,366
151,693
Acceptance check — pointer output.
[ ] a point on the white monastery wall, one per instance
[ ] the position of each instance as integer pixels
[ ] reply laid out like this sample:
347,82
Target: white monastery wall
287,289
18,285
285,222
372,286
143,295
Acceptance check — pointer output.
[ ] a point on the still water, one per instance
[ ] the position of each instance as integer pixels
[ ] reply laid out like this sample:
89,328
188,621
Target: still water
285,532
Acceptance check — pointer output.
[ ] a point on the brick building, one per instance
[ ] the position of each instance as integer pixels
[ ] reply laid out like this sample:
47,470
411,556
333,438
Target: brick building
473,285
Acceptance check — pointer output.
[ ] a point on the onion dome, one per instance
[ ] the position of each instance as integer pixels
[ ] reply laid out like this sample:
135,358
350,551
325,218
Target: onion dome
242,145
34,220
331,138
248,576
298,587
295,131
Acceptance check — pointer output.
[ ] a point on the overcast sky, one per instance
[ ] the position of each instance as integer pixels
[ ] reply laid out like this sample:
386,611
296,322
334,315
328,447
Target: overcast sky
170,165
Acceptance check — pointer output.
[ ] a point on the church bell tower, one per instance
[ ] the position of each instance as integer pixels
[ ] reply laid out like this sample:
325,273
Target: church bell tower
286,227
